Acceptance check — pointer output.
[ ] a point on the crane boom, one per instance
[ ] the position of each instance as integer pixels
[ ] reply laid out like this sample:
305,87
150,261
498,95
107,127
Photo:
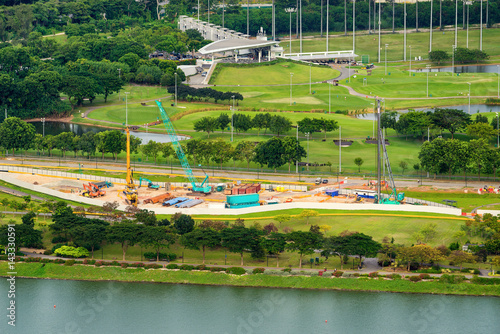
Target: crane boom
202,187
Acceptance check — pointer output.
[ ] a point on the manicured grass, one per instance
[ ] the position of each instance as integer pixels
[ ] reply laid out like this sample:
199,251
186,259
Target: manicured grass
368,44
56,271
277,74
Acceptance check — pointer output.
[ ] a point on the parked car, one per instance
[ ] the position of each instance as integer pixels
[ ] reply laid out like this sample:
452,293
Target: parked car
204,74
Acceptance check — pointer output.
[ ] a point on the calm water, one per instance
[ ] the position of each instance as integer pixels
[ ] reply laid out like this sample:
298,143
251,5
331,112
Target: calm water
55,128
463,69
474,108
108,307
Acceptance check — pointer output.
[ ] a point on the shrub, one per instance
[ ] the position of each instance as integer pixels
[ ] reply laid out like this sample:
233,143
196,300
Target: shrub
87,261
124,265
236,271
424,276
162,256
373,274
337,273
415,278
48,252
138,265
451,279
394,276
186,267
59,261
153,266
485,281
69,263
348,275
172,266
213,269
98,263
45,260
69,251
258,270
201,267
287,270
56,246
355,274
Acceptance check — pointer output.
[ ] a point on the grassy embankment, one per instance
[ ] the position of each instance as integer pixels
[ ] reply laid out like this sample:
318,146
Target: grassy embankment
54,271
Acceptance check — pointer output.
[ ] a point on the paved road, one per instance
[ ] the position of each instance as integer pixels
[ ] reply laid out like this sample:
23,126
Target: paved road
19,193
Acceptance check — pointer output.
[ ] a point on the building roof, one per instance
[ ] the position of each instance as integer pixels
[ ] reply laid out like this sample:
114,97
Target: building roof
234,44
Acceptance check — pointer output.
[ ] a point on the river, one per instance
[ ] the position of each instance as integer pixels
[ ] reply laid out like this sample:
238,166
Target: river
55,128
52,306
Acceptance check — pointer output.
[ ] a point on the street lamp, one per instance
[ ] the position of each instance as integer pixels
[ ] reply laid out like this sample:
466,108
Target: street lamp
329,98
498,137
386,58
297,161
498,76
428,70
307,136
291,75
453,59
310,78
43,126
175,75
232,119
409,72
290,11
126,108
469,95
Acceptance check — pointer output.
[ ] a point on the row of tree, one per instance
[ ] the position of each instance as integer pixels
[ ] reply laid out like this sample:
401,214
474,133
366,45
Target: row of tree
188,93
460,55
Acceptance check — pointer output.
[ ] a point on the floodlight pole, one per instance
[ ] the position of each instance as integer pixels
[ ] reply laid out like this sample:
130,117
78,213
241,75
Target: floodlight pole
456,22
340,149
353,25
498,76
329,98
469,95
428,70
430,40
310,78
232,120
498,133
327,19
379,24
175,75
405,32
307,136
291,75
481,31
409,72
126,108
453,59
297,161
386,58
467,25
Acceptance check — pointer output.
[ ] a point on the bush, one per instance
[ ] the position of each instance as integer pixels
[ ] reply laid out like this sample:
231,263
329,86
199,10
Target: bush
451,279
138,265
214,269
338,273
124,265
373,274
201,267
69,263
163,256
415,278
287,270
69,251
98,264
236,271
87,261
59,261
485,281
425,276
56,246
153,266
186,267
45,260
394,276
48,252
258,270
172,266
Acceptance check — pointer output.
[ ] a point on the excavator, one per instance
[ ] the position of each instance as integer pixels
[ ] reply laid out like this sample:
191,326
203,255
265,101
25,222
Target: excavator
150,183
89,191
130,190
95,188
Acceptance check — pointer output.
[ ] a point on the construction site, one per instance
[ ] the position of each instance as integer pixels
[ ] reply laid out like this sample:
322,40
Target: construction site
232,198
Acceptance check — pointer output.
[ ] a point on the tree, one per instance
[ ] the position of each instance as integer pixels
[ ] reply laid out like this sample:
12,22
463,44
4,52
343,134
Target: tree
242,122
158,238
303,242
16,134
336,245
280,124
429,231
450,119
274,244
308,214
239,238
403,165
308,125
152,149
388,120
326,125
201,238
110,84
282,218
146,217
64,142
94,235
127,234
438,56
245,150
261,121
183,224
223,121
363,245
358,162
425,254
206,124
270,153
78,88
292,151
481,131
87,143
167,150
222,151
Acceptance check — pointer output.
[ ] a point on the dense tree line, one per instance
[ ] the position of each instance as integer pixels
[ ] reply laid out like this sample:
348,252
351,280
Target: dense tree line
460,55
75,230
185,92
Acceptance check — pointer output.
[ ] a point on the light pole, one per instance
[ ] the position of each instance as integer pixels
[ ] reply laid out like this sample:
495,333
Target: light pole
386,58
310,78
290,11
296,161
353,25
300,13
409,72
468,3
43,126
175,75
291,75
329,98
456,22
126,108
428,70
379,26
340,148
498,76
405,32
232,119
430,36
481,28
498,138
469,96
327,19
453,59
307,136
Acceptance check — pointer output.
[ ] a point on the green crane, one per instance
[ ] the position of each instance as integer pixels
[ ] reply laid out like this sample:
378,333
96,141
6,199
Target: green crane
202,187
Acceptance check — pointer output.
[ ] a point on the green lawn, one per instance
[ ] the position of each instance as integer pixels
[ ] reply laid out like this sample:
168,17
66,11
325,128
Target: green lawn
277,74
419,42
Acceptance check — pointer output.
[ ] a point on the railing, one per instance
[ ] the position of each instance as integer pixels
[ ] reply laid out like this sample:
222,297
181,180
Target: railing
320,53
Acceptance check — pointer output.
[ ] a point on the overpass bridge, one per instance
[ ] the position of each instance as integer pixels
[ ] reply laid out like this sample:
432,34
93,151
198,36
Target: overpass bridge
323,55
